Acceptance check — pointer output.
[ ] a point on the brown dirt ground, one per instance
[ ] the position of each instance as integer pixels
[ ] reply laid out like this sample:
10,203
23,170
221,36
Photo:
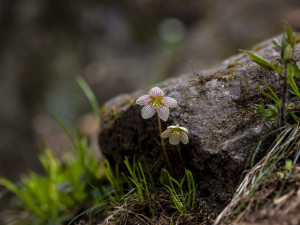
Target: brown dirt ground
204,212
265,209
261,209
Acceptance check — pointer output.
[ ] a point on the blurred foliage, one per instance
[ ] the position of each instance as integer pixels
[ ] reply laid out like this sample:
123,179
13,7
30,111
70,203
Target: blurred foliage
54,197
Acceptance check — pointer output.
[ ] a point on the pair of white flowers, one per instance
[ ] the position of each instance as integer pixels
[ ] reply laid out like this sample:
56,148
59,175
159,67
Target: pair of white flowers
154,102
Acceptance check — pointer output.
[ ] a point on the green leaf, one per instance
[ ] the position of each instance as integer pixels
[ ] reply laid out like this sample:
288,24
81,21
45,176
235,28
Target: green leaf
293,69
292,83
261,109
270,118
277,44
65,130
290,35
289,165
164,177
90,96
259,60
293,115
278,68
288,53
284,42
280,174
273,109
10,186
275,98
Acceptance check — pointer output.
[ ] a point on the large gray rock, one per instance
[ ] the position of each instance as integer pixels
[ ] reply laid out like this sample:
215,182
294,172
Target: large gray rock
216,107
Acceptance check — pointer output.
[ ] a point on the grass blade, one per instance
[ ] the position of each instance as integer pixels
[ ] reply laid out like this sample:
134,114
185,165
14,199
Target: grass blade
90,96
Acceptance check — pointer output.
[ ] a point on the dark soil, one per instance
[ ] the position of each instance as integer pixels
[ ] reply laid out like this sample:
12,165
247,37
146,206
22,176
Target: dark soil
205,211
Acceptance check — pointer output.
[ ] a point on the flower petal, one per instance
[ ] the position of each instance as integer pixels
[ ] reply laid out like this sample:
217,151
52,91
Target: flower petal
156,92
148,111
184,138
163,112
166,133
184,129
169,102
143,100
173,127
174,139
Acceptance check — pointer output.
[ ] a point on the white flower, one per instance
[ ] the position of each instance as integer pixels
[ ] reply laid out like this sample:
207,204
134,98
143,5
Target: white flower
176,134
156,102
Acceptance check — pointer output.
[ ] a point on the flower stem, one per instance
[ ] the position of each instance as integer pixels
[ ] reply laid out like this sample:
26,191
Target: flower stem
163,146
180,154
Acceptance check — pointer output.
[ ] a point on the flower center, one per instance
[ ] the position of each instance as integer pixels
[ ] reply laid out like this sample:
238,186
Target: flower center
156,102
176,131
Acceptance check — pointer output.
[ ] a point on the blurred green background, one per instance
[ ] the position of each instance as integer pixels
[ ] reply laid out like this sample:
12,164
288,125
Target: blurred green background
117,46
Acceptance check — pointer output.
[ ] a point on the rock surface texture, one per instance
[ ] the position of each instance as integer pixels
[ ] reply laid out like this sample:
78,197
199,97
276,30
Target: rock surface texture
216,107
